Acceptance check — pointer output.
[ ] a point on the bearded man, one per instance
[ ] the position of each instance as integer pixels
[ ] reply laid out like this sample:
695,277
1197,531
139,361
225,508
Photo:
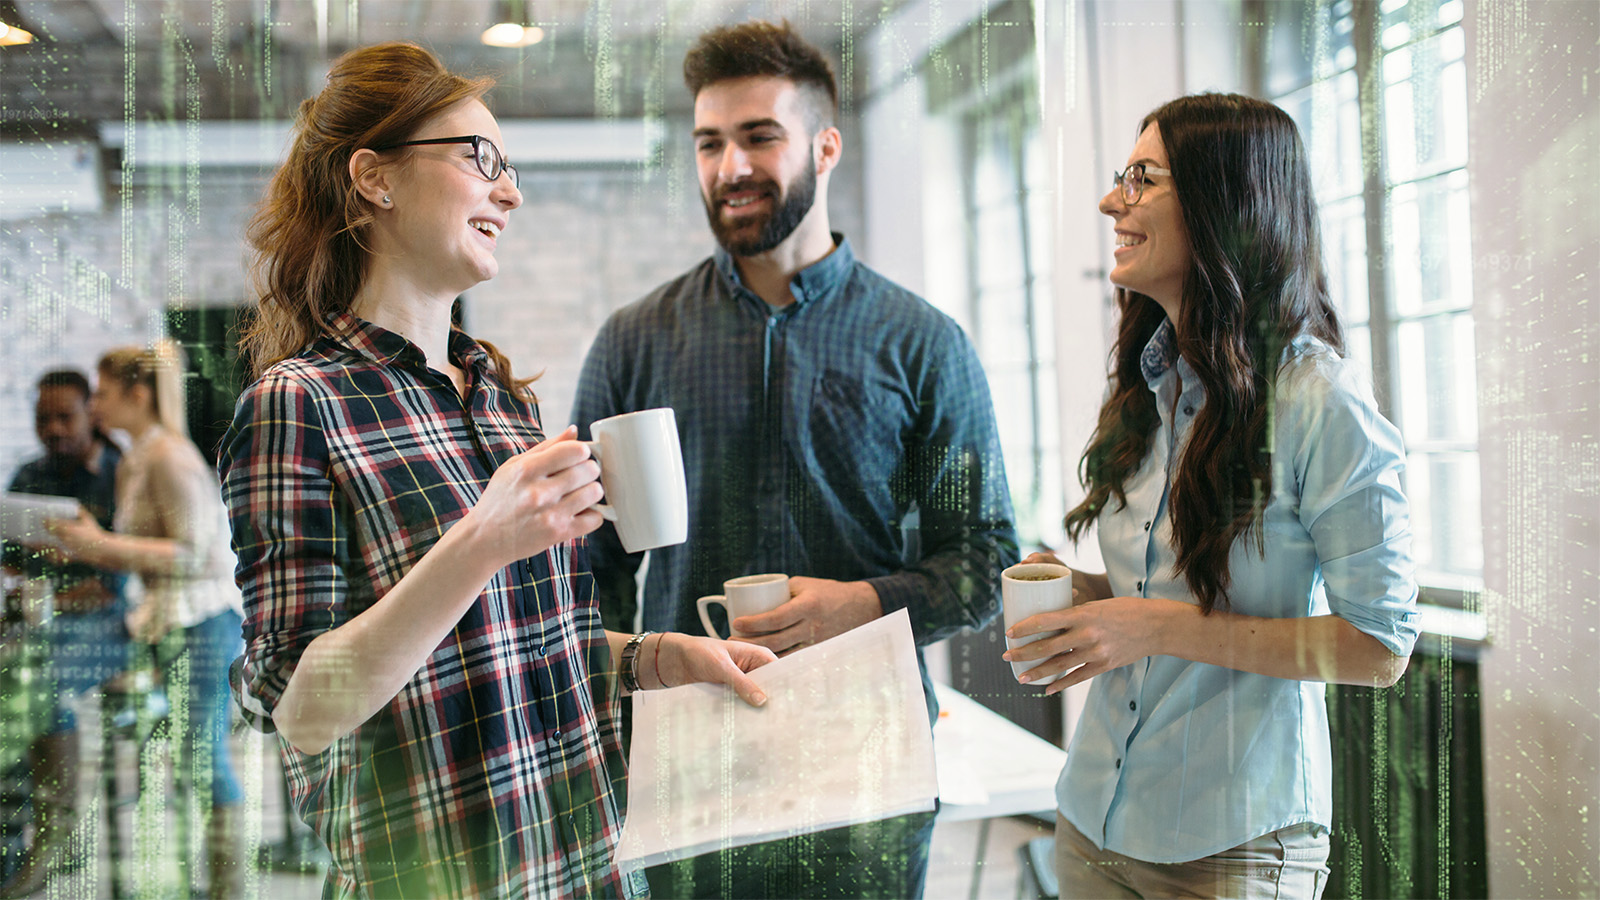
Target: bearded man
835,427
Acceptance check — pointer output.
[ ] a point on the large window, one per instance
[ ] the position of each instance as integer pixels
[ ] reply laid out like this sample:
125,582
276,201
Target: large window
1379,92
992,269
1007,217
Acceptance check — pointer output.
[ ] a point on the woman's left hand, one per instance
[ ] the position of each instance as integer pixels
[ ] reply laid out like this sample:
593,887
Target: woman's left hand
685,659
1094,638
76,536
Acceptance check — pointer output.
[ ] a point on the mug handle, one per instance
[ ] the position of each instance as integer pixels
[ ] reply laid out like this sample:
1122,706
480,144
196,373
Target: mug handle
606,510
705,616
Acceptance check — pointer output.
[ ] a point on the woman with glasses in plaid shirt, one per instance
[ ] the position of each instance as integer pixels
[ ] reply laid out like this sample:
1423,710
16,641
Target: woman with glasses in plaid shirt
420,625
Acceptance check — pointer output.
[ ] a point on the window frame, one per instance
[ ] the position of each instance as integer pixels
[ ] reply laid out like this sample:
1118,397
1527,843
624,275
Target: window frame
1384,320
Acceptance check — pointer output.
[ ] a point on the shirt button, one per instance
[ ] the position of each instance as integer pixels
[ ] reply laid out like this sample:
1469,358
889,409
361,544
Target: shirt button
1119,763
558,734
1147,526
1132,706
1138,585
1188,410
543,649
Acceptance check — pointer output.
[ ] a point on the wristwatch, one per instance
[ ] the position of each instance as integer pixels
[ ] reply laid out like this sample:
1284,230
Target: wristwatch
629,667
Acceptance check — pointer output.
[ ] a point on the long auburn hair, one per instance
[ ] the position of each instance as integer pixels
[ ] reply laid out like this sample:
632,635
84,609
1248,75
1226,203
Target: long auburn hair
1255,283
309,232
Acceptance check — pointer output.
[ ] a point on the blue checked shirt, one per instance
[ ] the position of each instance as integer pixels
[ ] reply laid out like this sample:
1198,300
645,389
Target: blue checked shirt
1175,760
808,433
491,772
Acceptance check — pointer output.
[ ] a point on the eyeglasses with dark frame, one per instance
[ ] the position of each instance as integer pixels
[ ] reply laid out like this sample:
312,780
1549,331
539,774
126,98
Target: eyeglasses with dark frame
491,162
1131,181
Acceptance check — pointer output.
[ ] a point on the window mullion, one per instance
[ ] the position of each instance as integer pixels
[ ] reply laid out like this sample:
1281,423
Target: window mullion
1365,18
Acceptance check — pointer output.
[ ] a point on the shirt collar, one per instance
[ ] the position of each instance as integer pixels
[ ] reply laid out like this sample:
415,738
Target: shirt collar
815,281
386,347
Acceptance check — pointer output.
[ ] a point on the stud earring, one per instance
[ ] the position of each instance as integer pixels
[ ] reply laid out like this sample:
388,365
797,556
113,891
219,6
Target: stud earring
386,200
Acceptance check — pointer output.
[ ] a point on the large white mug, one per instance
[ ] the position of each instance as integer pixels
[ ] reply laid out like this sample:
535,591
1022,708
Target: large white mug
641,470
1028,589
749,595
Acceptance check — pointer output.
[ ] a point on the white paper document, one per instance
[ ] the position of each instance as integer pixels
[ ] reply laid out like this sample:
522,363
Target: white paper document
844,738
22,517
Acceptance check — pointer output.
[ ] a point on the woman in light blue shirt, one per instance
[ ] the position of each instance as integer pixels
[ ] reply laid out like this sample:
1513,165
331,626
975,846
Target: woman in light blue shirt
1248,499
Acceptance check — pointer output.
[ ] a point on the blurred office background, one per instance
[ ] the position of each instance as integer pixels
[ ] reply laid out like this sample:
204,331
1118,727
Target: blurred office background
1454,144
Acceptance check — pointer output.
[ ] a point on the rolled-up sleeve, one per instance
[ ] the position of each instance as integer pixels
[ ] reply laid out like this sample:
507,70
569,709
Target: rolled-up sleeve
1349,463
283,513
956,476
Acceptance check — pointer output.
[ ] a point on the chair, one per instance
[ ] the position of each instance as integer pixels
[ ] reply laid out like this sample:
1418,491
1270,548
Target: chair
1036,869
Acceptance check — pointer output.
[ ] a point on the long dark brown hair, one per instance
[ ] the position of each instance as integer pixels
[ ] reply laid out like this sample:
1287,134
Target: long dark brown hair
309,231
1255,283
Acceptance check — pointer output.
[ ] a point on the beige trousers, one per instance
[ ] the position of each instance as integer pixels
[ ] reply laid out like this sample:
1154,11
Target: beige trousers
1288,863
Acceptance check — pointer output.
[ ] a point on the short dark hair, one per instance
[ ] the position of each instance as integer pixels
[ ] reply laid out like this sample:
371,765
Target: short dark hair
756,49
67,378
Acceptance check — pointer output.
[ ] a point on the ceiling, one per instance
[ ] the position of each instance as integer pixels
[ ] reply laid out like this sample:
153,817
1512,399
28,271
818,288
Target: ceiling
250,59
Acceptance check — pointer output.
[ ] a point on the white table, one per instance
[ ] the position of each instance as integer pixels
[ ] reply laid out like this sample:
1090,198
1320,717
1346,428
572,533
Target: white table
990,767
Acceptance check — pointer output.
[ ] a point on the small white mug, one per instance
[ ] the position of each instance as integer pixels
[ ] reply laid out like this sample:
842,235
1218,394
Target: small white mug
1028,589
641,470
749,595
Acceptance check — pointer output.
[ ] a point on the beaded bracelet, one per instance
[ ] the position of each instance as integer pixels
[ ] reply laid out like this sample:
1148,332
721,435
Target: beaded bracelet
630,661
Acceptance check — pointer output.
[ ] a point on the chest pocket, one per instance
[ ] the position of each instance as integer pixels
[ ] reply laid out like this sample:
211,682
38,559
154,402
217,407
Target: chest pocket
859,422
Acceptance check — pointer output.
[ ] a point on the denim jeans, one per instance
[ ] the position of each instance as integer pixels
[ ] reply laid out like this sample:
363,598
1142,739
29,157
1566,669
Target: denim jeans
194,668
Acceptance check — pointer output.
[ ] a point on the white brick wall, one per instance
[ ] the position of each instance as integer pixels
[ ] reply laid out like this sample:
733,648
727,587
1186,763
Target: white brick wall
585,242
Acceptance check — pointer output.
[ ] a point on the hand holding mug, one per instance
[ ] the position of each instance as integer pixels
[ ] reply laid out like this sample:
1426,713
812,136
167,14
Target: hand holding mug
748,595
818,609
538,499
1027,590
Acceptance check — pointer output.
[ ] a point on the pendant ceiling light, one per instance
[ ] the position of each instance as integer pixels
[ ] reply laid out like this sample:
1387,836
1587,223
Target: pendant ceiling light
511,28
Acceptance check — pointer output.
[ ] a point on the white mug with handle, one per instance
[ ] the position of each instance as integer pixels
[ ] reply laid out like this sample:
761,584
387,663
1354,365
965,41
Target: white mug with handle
747,596
641,470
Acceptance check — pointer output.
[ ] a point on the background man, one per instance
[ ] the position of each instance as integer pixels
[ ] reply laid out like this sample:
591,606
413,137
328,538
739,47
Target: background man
835,427
85,642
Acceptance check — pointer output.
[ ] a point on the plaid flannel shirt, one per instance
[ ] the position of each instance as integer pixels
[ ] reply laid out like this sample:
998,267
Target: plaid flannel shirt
491,772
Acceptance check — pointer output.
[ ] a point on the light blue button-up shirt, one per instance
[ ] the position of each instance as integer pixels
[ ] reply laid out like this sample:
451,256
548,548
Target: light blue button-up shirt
1176,760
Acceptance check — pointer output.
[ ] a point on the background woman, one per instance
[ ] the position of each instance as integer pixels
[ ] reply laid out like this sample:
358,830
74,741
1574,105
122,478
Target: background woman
1248,499
421,627
171,530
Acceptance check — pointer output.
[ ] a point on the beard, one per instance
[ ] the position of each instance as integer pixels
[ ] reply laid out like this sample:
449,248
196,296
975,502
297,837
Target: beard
778,225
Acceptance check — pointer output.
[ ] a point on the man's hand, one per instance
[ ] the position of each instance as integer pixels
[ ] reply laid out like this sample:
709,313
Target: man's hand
79,539
818,609
88,595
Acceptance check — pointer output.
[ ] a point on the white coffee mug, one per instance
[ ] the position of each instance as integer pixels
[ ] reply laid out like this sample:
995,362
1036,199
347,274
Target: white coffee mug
641,470
749,595
1028,589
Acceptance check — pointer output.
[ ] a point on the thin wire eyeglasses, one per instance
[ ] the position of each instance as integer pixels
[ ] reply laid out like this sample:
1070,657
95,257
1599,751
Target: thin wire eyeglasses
490,161
1131,181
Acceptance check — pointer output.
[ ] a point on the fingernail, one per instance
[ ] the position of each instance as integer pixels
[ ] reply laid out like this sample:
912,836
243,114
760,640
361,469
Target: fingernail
760,698
1024,678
